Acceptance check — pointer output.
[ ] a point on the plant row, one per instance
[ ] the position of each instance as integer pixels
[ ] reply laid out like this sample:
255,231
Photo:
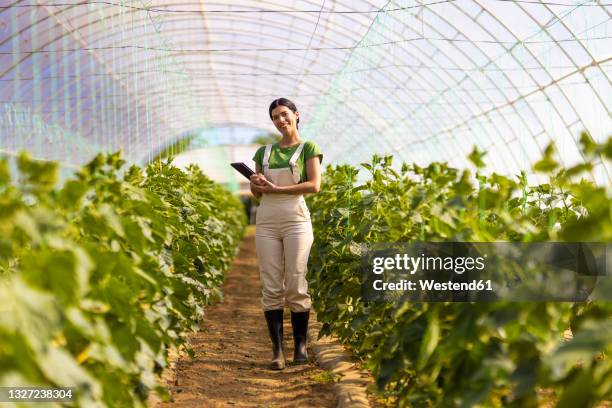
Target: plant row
455,354
101,275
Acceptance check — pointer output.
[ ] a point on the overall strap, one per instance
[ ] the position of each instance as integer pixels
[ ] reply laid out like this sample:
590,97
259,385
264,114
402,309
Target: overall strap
293,161
266,158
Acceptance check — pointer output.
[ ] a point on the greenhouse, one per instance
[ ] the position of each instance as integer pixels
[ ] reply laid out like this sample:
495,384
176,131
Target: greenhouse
306,203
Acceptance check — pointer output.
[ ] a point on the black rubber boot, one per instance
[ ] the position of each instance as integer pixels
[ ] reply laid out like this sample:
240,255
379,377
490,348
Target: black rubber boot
299,322
274,318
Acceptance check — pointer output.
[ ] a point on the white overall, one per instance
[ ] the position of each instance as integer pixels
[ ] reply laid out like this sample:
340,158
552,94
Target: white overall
283,238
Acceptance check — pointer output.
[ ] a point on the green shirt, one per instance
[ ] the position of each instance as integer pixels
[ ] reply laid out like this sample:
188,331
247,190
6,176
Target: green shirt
280,156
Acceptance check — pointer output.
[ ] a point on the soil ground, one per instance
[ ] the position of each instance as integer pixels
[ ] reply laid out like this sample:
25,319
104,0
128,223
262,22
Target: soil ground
233,350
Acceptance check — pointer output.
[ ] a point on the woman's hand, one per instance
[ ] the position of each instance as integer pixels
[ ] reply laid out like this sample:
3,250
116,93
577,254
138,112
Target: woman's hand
260,184
258,178
265,187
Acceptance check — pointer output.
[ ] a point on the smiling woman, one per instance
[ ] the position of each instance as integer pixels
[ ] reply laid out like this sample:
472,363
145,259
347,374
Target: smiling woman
285,172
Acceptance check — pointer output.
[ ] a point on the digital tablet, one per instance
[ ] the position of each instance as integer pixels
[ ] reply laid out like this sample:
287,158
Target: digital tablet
243,169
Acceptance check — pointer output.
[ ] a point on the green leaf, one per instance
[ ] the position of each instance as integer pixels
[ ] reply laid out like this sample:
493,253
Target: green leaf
476,157
589,340
72,193
64,371
589,146
41,175
547,163
607,148
430,339
65,273
5,175
578,393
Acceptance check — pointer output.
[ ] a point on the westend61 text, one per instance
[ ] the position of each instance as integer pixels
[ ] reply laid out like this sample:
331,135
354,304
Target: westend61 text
429,285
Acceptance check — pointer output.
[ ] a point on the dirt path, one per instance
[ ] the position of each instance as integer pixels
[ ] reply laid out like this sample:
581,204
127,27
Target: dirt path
233,351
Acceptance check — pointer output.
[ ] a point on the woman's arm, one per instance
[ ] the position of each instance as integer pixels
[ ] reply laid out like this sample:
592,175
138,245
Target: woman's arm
312,185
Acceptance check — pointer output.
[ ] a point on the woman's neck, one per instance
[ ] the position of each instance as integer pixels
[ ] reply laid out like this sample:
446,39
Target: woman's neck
290,139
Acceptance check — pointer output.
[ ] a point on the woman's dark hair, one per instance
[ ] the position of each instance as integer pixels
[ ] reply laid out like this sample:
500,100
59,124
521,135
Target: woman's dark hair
284,102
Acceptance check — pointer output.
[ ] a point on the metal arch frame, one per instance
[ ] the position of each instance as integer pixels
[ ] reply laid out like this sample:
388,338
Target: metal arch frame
75,37
134,100
509,81
64,33
467,77
232,63
411,54
553,81
358,88
119,57
536,126
339,76
194,92
205,24
333,88
186,52
538,88
322,84
511,103
187,19
25,90
77,29
398,81
508,51
581,70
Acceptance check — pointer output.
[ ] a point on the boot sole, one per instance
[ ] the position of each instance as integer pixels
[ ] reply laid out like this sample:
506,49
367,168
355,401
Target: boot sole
300,361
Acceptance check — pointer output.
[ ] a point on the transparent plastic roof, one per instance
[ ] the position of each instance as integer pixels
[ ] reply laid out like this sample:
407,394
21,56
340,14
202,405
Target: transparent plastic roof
422,79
